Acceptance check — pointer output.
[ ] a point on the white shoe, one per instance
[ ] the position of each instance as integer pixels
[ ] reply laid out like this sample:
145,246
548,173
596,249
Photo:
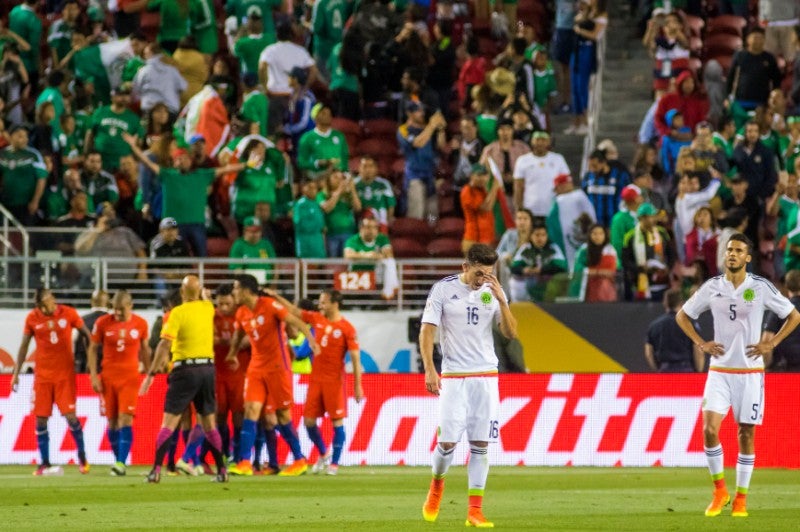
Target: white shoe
333,470
582,129
52,471
183,467
570,130
199,470
322,465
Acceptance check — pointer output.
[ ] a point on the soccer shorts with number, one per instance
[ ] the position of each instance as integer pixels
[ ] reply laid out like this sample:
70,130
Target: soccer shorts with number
272,389
744,392
468,404
46,393
230,393
119,395
326,396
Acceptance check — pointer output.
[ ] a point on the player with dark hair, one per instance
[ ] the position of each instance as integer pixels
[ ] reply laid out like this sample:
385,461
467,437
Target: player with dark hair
123,336
737,301
464,307
269,376
51,325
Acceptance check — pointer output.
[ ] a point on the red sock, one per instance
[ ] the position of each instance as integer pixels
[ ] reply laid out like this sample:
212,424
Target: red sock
719,484
475,501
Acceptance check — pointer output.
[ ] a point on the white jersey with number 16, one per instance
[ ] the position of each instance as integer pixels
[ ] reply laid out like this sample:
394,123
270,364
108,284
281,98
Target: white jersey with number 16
464,318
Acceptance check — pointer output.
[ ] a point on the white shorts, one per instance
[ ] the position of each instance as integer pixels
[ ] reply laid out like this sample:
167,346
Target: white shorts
471,404
744,392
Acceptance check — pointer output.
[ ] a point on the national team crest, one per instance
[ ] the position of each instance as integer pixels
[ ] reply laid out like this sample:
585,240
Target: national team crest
486,298
749,295
260,320
337,333
134,334
62,323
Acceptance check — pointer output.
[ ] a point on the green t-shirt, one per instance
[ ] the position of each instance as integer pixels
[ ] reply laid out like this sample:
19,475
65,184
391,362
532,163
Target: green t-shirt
309,226
544,86
131,67
56,204
53,95
239,9
787,216
108,127
314,146
59,38
792,260
174,19
329,17
621,224
241,249
248,48
532,49
487,128
24,22
83,122
102,187
71,145
255,108
340,79
377,196
20,171
341,220
254,185
203,26
358,245
185,195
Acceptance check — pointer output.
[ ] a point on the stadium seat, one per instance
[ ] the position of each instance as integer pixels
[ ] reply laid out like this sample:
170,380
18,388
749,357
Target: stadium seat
411,228
722,43
695,45
218,246
447,205
406,248
346,126
380,127
730,24
695,25
445,248
452,227
380,148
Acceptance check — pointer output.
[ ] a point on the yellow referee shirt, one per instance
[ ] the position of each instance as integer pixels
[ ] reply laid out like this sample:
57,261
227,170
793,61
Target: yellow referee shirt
190,327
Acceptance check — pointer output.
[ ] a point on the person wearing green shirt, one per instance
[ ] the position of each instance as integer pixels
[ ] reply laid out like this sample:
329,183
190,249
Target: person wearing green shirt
309,224
185,192
376,193
624,220
174,21
109,124
249,46
203,26
258,181
53,93
327,20
343,87
97,64
370,250
252,246
323,147
785,204
341,203
23,175
241,8
255,105
59,37
24,21
99,184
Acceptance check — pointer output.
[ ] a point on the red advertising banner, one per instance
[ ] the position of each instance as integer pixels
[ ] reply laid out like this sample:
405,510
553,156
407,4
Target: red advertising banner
553,420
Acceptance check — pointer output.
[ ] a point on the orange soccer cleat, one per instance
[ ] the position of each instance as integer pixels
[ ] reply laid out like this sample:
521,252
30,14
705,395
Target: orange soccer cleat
739,506
720,500
243,468
299,467
476,518
430,510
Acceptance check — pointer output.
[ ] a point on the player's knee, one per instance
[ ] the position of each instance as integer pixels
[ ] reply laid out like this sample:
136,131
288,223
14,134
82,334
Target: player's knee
284,416
41,423
447,446
710,431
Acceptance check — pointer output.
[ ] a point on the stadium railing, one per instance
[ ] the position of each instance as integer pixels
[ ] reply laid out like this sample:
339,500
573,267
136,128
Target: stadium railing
595,104
15,241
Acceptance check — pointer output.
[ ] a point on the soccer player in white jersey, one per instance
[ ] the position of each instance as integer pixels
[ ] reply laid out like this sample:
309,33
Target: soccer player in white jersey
464,307
737,301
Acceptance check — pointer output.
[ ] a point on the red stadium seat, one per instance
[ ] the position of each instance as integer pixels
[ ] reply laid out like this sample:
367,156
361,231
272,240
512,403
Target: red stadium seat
721,44
380,148
348,127
380,127
398,167
447,205
407,248
695,25
445,248
452,227
411,228
218,246
730,24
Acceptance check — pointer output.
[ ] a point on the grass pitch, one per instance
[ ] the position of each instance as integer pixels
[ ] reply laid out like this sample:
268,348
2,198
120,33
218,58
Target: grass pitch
390,498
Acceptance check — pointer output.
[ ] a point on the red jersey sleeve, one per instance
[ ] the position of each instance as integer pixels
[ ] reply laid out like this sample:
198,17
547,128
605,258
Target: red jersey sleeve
278,310
350,338
237,317
309,316
98,330
28,330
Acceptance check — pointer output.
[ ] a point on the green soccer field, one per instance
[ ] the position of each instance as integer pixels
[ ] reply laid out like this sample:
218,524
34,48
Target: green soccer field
390,498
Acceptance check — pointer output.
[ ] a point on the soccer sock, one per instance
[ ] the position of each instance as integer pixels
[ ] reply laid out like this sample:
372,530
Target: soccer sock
744,470
163,443
173,448
290,437
258,444
43,441
247,438
77,435
225,436
477,470
715,467
337,444
215,444
441,461
272,447
236,436
195,441
316,438
113,439
186,433
125,442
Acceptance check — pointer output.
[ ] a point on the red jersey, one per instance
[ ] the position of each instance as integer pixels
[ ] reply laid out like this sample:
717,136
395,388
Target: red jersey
224,326
53,335
121,341
264,326
335,339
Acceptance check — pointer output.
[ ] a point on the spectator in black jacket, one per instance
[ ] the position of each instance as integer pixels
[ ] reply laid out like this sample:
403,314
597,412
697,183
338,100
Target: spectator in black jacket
756,163
753,73
666,350
786,356
441,73
99,308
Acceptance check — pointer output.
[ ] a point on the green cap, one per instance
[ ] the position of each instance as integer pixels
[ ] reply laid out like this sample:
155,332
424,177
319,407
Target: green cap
251,221
95,14
646,209
540,135
478,168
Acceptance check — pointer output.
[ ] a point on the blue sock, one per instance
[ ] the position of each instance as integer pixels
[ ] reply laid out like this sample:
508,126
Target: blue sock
113,439
196,438
316,438
77,434
271,436
338,444
247,438
290,437
43,441
258,444
125,442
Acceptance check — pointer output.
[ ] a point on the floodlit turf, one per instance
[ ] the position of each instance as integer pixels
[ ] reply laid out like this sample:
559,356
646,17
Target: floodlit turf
390,498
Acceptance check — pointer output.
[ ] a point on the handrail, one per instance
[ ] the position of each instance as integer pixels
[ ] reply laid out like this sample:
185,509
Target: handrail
7,245
595,104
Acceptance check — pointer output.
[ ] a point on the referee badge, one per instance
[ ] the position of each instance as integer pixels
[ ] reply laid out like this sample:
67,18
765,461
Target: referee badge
749,295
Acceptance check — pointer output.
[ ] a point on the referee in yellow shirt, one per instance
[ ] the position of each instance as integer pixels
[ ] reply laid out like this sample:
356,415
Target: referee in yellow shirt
189,335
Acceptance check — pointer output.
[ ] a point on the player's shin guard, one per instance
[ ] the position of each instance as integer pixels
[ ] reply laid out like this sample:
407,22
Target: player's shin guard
477,470
196,436
113,439
316,438
215,445
271,436
77,435
163,443
744,470
247,438
290,437
43,442
715,459
337,444
125,443
441,461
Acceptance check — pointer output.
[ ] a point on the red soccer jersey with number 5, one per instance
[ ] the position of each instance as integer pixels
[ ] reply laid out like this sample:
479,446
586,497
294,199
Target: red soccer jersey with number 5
53,336
335,339
121,341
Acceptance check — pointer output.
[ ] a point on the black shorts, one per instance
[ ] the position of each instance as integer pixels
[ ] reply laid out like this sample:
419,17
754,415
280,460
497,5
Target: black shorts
563,45
191,384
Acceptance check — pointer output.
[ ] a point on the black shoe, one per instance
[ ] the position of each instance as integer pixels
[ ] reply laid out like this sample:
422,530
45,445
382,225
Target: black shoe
222,476
153,477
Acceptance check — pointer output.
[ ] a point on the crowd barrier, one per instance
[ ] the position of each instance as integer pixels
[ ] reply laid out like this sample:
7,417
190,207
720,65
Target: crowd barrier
545,420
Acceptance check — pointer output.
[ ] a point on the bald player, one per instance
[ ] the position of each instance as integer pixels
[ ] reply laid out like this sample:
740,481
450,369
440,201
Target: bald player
123,337
189,336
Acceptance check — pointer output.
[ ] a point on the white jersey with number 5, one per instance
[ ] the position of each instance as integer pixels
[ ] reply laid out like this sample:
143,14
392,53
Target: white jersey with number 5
464,318
738,315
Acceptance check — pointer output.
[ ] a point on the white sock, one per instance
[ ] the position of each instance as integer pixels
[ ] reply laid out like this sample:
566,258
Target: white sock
478,469
744,470
441,461
715,461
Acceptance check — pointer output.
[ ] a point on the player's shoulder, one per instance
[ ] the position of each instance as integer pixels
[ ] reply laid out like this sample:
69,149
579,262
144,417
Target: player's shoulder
139,320
712,283
444,285
103,320
757,280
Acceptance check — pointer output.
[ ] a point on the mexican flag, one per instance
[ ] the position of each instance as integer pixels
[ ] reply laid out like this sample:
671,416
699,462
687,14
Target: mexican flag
102,65
503,216
205,114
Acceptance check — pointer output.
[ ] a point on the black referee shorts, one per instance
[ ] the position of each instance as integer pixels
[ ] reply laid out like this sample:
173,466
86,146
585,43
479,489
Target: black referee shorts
191,384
